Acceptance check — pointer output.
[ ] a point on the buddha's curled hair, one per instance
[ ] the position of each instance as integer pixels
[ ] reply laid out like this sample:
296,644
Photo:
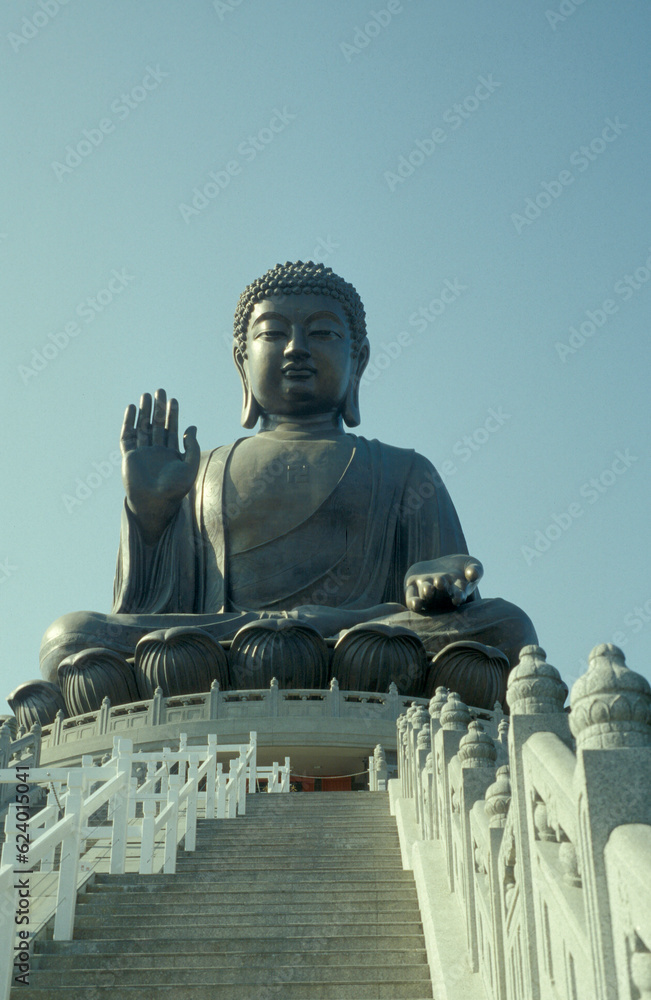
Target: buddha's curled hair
294,279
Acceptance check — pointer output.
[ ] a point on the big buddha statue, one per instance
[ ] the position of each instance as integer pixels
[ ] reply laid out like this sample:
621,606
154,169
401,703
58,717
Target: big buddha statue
300,525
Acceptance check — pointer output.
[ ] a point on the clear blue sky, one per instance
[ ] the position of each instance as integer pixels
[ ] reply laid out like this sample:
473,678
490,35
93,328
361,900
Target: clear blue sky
497,151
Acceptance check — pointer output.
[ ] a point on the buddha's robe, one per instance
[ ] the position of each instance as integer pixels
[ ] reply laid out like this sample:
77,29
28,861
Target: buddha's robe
341,562
388,511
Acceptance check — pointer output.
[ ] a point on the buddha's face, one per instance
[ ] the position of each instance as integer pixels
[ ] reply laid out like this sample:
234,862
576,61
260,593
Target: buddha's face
299,357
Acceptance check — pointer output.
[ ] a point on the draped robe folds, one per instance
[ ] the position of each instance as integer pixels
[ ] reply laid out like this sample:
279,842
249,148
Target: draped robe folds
343,562
388,511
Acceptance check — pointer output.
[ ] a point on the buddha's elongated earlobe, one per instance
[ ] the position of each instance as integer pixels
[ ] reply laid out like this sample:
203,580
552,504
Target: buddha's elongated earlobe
350,411
250,406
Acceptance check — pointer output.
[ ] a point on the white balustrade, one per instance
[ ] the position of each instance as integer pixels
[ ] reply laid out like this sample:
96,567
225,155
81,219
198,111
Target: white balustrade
547,846
138,718
149,818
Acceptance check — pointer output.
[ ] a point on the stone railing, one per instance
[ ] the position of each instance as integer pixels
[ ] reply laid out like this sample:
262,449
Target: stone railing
25,750
542,834
363,711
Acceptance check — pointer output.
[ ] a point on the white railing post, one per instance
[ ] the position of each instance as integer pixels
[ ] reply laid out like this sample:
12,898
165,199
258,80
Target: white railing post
380,768
221,792
253,762
231,789
122,754
286,773
171,826
241,783
211,774
47,863
69,867
191,805
147,840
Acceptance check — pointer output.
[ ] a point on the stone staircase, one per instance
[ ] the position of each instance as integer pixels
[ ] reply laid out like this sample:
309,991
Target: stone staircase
303,898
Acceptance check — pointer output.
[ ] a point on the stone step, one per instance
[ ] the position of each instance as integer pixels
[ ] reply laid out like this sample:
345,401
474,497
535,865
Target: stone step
270,818
241,827
284,855
314,975
254,833
288,991
247,955
342,863
372,909
247,927
253,916
301,842
262,876
287,895
272,806
361,938
268,810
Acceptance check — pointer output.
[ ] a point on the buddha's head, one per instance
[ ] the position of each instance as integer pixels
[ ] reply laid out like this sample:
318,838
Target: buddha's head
300,344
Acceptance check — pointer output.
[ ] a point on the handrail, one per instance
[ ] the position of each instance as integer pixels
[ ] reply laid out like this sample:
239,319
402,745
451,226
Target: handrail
542,830
224,797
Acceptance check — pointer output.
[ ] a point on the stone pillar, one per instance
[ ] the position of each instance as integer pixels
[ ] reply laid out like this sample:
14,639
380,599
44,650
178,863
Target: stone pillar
536,695
477,756
497,801
611,720
419,720
454,724
381,769
423,749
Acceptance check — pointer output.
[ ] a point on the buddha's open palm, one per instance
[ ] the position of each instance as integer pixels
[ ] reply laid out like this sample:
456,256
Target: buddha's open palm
155,473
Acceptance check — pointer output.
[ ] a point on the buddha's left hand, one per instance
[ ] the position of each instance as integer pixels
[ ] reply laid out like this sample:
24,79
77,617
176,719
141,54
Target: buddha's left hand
438,584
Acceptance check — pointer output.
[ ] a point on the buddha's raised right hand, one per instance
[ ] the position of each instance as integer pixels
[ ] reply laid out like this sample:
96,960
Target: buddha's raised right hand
156,475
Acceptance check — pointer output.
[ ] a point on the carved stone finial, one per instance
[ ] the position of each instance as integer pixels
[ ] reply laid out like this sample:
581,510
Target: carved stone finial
611,705
379,752
476,748
420,718
498,798
455,714
393,690
411,711
334,684
424,741
503,730
402,722
11,723
437,701
535,686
